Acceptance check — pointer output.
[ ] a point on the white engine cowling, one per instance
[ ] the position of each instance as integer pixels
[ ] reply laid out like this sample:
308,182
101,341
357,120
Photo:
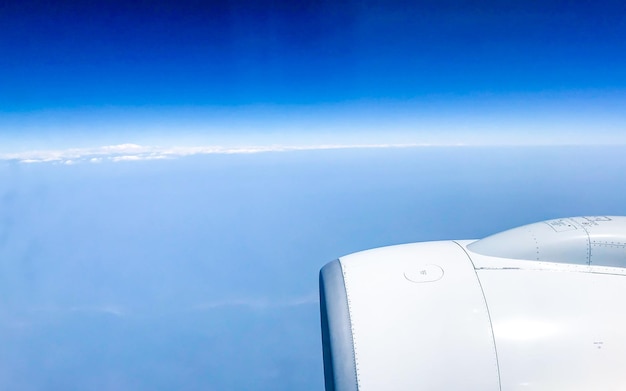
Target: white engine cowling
534,308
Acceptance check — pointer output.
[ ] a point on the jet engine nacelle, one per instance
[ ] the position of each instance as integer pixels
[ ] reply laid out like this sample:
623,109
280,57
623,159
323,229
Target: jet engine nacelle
539,307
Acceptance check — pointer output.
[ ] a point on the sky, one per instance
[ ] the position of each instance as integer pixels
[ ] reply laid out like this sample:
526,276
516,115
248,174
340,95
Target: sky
267,72
173,174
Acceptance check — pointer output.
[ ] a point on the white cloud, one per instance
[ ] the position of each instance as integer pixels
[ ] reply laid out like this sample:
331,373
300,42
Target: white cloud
125,158
134,152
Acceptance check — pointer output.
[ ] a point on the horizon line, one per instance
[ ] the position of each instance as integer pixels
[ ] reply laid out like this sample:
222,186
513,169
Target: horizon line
135,152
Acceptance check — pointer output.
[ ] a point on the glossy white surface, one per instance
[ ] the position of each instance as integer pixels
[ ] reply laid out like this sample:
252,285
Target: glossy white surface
425,316
419,336
591,240
484,262
424,273
557,330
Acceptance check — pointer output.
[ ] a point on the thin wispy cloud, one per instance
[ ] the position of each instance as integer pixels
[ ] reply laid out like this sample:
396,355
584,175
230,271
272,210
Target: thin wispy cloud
258,303
106,310
134,152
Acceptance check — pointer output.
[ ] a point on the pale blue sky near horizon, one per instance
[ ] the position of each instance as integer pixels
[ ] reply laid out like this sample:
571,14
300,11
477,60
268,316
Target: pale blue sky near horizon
556,118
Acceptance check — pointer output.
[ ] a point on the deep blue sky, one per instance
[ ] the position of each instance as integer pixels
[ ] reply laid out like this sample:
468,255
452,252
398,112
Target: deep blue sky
72,66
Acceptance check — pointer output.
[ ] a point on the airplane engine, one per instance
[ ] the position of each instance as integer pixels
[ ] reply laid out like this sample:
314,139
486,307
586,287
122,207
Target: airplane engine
538,307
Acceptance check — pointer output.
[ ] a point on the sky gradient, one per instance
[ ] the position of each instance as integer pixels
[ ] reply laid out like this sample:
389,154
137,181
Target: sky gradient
235,71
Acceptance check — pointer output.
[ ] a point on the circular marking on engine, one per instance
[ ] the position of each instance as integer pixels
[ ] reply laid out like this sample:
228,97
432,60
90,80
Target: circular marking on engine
424,273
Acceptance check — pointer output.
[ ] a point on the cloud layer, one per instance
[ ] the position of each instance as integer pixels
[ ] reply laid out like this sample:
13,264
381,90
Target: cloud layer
134,152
